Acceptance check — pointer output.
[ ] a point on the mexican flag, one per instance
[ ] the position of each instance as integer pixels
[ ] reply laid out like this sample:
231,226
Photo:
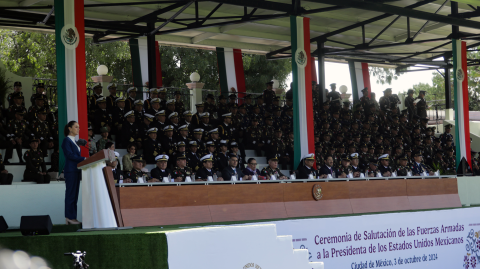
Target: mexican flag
139,54
71,73
360,78
302,88
230,69
460,83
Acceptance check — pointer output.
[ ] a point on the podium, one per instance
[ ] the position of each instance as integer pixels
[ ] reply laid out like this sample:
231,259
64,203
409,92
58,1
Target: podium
100,207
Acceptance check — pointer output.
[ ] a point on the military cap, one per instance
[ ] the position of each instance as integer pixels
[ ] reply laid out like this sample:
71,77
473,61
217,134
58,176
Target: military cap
318,144
423,92
20,111
39,97
104,130
384,157
177,92
131,89
171,101
448,126
260,97
354,155
187,113
449,139
40,85
404,157
345,157
162,158
248,96
310,157
182,156
97,86
168,128
193,144
326,103
181,144
162,90
16,95
232,96
269,83
130,113
138,103
207,158
233,144
148,117
418,153
441,151
388,90
410,91
273,157
210,144
333,84
112,86
101,100
152,130
198,131
199,105
155,100
221,97
254,119
416,117
210,96
160,113
450,149
213,131
153,90
34,139
365,89
17,84
204,115
228,115
424,119
138,158
172,115
90,127
42,111
373,161
183,128
120,99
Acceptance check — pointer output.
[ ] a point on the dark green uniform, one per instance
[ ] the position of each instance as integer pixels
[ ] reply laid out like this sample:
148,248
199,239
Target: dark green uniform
135,174
268,171
34,165
183,173
5,178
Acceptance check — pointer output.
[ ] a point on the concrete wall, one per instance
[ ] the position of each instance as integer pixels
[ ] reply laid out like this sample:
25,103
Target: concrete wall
469,190
26,86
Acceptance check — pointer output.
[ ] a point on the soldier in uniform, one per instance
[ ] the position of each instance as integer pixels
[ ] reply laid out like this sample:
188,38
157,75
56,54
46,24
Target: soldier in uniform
344,169
193,157
111,99
41,130
162,95
154,106
305,169
355,165
17,132
162,170
104,139
402,167
333,95
365,100
5,177
418,167
138,110
103,118
209,105
33,110
92,100
39,94
207,171
385,100
16,106
182,171
130,102
372,169
268,94
444,137
92,145
17,88
421,105
272,169
136,175
409,103
35,169
222,155
277,147
197,137
169,143
196,119
450,161
151,147
222,106
224,129
118,117
147,105
130,131
179,105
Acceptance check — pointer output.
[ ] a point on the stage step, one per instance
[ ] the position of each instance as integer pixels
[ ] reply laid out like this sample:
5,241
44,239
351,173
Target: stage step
17,171
15,159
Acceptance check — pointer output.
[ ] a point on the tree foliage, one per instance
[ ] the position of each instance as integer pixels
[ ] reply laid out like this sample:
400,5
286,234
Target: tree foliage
31,54
383,75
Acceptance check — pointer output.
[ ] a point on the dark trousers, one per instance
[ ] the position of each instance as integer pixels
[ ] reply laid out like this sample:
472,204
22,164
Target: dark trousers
9,151
6,179
72,183
36,177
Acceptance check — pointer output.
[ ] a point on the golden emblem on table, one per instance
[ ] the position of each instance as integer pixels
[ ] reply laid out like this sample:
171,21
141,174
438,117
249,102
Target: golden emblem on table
317,192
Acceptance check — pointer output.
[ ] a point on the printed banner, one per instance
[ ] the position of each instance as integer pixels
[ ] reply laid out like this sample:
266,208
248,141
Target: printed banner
430,239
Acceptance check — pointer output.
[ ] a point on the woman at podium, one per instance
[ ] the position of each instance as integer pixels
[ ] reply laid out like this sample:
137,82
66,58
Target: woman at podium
72,174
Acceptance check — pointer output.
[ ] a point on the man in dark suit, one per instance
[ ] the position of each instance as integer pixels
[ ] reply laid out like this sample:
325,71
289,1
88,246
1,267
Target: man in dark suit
306,170
418,167
232,170
327,168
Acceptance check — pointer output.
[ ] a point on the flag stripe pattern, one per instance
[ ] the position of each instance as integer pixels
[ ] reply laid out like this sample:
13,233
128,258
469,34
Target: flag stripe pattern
462,124
302,88
360,78
230,69
71,73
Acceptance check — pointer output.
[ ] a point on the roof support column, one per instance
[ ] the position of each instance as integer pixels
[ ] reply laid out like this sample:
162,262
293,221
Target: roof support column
321,73
152,56
455,29
448,89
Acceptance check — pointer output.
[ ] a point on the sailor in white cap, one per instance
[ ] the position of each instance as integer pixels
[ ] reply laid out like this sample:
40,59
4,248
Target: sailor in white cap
151,147
187,118
118,113
161,170
193,158
384,166
170,107
130,133
183,133
354,164
102,117
222,156
306,169
168,141
162,94
160,120
207,170
173,118
214,136
200,108
154,106
112,88
153,93
197,137
225,128
132,95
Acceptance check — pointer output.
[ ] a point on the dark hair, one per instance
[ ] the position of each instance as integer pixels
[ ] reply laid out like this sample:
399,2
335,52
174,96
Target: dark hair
250,160
108,145
66,131
132,145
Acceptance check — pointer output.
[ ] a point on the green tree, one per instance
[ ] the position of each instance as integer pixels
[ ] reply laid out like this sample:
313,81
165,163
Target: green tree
384,75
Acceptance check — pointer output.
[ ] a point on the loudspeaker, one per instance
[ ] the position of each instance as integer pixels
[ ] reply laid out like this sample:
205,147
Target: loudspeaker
3,224
36,225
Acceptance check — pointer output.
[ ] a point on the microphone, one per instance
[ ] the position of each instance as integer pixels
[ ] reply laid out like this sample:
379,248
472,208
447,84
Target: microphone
81,142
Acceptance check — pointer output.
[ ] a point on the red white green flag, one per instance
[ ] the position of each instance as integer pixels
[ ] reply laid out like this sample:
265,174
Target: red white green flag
71,72
230,69
302,88
462,119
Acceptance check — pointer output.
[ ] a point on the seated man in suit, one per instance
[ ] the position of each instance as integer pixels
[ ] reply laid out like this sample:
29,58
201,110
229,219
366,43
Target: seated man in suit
418,167
117,173
306,170
232,170
384,167
328,168
207,169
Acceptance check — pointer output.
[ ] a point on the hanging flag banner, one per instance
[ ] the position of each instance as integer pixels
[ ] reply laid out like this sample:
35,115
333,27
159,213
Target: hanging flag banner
139,56
441,239
302,88
230,69
71,71
462,119
360,78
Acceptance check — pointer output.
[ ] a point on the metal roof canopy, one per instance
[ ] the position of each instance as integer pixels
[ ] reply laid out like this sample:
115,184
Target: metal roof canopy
398,33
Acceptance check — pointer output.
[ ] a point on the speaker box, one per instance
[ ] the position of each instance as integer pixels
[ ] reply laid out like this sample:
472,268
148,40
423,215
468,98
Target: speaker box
36,225
3,224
